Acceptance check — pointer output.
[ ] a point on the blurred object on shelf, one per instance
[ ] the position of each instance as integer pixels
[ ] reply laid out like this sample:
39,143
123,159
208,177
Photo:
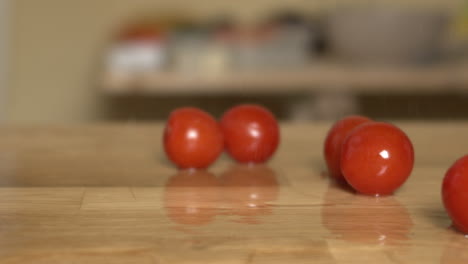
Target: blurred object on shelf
252,48
285,41
303,35
200,50
282,42
138,48
216,59
386,34
187,45
293,40
461,22
459,34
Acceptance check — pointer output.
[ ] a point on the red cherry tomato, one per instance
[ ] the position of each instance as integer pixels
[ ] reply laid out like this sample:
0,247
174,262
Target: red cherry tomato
377,158
192,138
334,141
251,133
455,194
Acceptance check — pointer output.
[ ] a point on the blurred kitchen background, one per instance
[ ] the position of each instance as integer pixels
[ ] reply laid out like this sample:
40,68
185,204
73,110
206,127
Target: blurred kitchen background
136,60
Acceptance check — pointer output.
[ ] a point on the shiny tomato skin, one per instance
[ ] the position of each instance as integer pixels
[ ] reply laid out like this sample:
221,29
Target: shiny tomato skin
251,133
334,141
455,194
192,138
377,158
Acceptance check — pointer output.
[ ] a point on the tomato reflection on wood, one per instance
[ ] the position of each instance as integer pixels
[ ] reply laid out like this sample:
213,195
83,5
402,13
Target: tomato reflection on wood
196,197
364,219
248,191
192,197
251,133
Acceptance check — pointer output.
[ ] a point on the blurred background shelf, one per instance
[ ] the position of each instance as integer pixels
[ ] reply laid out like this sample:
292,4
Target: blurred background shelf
320,77
306,60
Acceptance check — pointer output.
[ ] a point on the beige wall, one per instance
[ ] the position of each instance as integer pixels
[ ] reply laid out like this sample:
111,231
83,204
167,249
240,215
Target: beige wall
3,57
57,45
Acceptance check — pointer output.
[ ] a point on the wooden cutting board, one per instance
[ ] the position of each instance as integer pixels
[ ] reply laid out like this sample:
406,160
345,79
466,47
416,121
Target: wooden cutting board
106,194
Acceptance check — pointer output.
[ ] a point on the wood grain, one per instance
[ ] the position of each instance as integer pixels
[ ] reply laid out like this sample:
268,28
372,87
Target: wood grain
106,194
